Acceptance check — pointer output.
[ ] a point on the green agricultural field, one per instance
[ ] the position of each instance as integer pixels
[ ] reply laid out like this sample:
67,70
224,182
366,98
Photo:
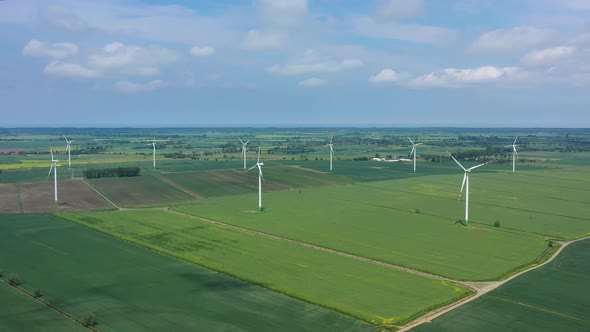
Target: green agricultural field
551,298
19,312
138,191
361,289
130,288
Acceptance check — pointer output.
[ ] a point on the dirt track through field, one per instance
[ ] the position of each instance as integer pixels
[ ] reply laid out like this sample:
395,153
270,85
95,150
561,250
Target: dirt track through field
179,187
482,289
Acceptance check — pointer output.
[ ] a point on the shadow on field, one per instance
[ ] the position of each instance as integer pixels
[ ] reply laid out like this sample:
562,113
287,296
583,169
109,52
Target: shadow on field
215,283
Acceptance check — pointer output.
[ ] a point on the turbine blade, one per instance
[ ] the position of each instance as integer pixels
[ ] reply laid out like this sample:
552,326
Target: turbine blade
515,140
462,185
66,138
474,167
246,142
413,151
258,155
241,141
411,141
515,152
418,144
50,168
51,150
331,137
251,168
260,172
458,163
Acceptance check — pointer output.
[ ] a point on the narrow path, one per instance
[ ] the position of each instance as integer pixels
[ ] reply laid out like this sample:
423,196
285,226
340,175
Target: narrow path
482,289
179,187
18,198
102,195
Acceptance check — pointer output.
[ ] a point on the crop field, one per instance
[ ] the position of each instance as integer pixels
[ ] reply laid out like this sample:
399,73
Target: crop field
129,288
73,195
19,312
231,182
381,294
9,202
143,267
138,191
551,298
350,219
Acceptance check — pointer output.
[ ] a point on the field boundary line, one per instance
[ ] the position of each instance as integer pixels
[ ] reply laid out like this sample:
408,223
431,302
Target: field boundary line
177,186
102,195
526,305
486,288
51,306
18,198
328,250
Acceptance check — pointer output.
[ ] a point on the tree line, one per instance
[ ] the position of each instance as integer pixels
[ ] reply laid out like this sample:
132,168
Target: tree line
93,173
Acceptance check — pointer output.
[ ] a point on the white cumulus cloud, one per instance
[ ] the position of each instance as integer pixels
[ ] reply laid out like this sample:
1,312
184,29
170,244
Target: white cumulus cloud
202,51
453,77
313,82
385,75
130,87
282,12
120,55
258,40
399,9
312,62
73,70
56,50
415,33
514,40
547,56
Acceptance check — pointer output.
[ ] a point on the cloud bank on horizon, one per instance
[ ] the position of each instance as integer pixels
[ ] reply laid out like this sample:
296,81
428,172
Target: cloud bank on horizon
264,62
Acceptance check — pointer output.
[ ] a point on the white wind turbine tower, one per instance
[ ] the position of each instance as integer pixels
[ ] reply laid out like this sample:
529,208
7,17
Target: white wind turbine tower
514,154
466,185
260,178
54,168
153,144
68,147
244,144
414,145
331,145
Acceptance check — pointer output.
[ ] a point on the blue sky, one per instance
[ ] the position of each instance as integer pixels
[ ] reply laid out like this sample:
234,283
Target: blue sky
295,62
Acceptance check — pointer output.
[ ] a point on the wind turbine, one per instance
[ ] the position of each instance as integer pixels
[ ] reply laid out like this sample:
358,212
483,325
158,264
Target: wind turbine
331,145
260,178
68,147
466,185
414,145
153,144
54,168
244,144
514,154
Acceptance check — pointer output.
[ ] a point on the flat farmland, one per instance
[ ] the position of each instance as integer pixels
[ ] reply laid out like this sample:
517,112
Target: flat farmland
217,183
9,198
551,298
133,289
138,191
360,226
73,195
371,292
19,312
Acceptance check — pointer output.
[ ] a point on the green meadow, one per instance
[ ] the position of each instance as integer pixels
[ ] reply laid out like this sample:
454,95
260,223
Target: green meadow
130,288
370,292
551,298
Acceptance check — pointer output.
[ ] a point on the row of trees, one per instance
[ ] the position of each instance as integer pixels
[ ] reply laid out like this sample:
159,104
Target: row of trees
93,173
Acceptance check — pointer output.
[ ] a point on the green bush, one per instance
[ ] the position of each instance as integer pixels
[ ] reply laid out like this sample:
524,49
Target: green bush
37,293
496,223
13,280
89,319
